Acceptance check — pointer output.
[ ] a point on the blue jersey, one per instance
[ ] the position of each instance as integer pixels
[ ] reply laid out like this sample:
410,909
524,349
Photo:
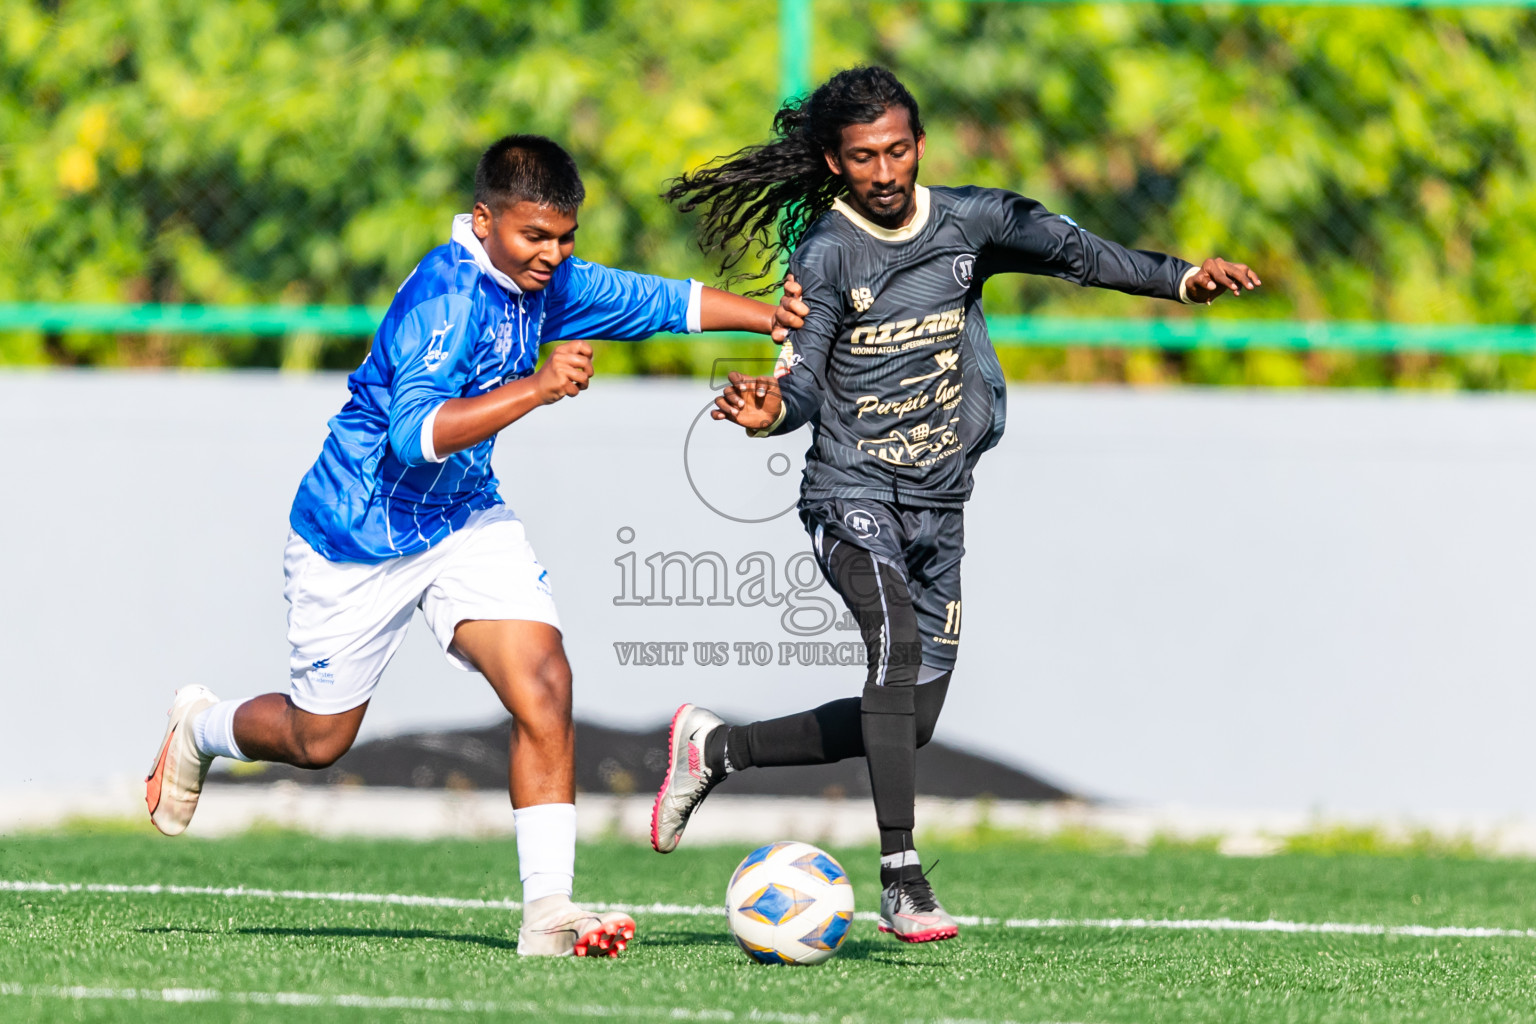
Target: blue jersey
457,327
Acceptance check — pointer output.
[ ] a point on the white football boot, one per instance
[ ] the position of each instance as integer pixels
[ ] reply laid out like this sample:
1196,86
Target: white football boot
910,911
554,926
688,780
175,778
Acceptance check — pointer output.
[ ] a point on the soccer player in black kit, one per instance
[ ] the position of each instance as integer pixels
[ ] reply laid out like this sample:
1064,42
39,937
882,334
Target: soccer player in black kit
895,374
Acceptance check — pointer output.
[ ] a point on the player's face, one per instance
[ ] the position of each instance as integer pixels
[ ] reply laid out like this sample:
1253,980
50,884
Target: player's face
526,241
878,162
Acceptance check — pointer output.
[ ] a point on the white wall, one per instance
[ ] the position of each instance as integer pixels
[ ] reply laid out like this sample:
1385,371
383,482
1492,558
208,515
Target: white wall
1221,599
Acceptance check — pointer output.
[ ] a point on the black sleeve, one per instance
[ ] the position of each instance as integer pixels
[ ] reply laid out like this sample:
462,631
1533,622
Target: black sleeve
815,268
1026,238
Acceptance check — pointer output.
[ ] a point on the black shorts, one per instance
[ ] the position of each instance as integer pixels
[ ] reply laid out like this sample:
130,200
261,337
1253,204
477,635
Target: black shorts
911,606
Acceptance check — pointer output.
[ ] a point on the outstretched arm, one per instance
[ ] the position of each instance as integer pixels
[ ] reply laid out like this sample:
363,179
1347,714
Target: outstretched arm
723,311
588,300
1028,238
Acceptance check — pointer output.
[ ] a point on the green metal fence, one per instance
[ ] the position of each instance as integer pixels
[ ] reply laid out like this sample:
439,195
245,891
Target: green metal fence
1005,330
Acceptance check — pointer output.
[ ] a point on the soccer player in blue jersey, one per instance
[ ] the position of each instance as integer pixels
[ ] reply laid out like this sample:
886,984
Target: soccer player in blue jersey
401,511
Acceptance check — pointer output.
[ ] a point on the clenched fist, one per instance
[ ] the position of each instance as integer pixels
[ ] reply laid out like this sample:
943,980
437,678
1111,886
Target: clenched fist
565,373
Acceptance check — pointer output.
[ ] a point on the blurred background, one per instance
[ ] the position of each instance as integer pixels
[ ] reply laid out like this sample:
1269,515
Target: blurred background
1374,160
1183,589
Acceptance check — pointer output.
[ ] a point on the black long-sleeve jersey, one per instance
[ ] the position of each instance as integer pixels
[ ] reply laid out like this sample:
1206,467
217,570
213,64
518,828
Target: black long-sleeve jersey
894,367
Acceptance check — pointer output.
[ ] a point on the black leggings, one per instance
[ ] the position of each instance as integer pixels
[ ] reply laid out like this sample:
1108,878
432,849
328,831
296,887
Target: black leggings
894,716
826,734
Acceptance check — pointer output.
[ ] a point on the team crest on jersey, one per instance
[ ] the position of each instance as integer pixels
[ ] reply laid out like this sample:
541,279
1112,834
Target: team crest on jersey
863,524
435,354
964,268
862,298
504,338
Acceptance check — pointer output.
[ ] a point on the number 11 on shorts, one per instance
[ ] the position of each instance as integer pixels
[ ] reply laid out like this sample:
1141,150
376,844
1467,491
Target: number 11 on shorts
952,617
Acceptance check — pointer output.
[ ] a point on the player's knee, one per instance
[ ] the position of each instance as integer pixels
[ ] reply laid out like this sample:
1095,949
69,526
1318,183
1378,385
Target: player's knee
928,701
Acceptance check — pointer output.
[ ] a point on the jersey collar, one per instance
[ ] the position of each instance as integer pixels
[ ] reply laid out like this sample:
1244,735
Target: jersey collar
916,225
464,234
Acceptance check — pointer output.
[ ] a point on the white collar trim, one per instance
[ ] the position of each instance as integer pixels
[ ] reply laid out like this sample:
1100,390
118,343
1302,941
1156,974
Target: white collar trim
914,226
464,234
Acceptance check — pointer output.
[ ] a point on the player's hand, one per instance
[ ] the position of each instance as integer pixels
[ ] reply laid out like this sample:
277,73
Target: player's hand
1217,276
565,373
791,312
750,402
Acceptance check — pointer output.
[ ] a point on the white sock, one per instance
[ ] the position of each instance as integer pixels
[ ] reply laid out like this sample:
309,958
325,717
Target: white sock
213,731
546,850
900,860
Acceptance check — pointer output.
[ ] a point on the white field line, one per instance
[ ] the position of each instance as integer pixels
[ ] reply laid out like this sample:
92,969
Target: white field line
80,993
1220,924
204,995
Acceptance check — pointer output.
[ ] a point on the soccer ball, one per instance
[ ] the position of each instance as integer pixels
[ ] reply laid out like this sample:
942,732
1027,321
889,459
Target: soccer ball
789,903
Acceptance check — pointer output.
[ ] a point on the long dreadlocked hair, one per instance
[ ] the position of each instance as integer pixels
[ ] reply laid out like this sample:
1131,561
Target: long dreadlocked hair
763,199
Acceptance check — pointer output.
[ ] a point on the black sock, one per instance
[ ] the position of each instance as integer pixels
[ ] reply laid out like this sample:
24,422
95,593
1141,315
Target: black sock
901,865
890,745
827,734
905,873
717,746
824,735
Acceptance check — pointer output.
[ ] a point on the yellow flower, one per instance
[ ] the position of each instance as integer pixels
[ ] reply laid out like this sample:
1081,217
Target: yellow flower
77,170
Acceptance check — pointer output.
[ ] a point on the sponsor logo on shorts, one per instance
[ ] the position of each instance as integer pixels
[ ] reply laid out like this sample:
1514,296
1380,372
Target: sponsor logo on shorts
543,581
863,524
320,671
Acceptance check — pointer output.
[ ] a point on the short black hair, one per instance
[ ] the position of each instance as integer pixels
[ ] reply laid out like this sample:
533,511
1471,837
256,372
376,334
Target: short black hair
528,167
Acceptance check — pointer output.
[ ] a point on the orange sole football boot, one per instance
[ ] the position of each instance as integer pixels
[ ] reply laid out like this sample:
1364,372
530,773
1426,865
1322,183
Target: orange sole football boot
175,778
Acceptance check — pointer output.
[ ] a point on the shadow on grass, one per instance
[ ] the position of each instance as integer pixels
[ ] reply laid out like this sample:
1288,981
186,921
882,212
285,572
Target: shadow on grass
672,937
346,933
884,952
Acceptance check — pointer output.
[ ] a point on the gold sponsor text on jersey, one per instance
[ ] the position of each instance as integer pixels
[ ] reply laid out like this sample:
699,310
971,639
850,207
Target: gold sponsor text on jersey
897,331
945,393
922,445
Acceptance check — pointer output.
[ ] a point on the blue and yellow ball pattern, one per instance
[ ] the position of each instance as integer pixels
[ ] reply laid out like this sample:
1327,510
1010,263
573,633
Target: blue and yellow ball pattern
789,903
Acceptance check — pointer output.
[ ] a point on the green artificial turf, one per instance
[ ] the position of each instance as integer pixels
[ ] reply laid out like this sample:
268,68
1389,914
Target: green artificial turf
684,967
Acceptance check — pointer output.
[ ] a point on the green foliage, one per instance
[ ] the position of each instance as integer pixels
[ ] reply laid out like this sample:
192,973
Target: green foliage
1374,163
230,151
985,835
1345,840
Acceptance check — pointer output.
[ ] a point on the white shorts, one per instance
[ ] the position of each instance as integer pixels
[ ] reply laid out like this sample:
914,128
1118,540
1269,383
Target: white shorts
346,619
